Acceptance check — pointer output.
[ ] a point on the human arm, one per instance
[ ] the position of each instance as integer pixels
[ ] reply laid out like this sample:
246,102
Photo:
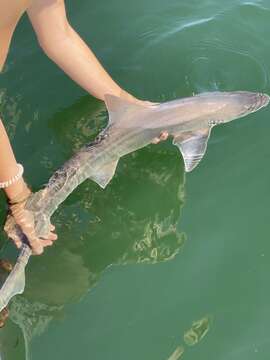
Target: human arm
17,195
65,47
9,166
17,192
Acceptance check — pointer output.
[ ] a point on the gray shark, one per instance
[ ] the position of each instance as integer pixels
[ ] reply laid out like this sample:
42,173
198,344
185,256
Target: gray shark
130,127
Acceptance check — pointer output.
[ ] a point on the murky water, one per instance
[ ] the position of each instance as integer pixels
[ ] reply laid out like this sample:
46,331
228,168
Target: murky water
190,254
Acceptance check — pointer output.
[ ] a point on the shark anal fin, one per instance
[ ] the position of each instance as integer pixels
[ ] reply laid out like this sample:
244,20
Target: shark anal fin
104,175
192,145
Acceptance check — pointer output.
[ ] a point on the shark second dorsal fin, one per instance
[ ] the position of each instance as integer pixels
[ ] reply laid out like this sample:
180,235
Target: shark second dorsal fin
118,108
192,146
104,175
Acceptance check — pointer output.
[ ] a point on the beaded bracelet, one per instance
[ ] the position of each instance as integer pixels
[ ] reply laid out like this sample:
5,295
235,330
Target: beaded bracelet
15,178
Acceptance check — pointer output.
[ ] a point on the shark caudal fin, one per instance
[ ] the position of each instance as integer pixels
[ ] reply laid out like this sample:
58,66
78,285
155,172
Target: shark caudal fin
192,146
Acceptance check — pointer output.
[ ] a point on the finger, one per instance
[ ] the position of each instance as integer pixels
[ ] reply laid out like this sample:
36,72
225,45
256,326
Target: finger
52,227
37,251
52,236
4,314
46,242
36,246
17,243
16,240
155,140
164,135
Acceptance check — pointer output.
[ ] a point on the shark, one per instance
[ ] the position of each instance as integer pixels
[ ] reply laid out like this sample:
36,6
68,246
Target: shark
131,126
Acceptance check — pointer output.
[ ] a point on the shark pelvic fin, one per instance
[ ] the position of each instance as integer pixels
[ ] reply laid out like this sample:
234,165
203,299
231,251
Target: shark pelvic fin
192,146
118,108
104,175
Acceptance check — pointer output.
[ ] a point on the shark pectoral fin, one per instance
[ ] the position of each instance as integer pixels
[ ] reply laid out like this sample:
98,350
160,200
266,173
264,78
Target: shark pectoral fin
104,175
192,146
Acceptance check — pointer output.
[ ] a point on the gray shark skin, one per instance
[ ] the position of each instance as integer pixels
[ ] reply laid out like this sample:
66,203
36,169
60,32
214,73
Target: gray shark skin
131,126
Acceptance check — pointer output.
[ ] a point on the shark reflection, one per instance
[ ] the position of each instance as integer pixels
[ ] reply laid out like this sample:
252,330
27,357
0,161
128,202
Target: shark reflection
103,228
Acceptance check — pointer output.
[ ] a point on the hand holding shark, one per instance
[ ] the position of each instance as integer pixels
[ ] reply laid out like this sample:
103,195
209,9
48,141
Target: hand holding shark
131,126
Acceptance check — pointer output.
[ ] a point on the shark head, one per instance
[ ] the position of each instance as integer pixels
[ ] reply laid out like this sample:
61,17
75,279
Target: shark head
228,106
188,120
252,101
218,107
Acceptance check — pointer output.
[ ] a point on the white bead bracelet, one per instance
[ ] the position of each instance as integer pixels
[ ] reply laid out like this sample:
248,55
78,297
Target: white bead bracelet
15,178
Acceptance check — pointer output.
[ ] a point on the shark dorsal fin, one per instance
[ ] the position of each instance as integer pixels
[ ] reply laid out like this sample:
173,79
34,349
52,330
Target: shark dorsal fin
104,175
192,145
118,107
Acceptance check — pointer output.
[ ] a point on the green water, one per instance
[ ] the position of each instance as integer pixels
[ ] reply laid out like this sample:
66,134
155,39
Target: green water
190,253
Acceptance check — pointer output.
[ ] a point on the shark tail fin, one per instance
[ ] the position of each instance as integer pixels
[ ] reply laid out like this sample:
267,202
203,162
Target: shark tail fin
192,145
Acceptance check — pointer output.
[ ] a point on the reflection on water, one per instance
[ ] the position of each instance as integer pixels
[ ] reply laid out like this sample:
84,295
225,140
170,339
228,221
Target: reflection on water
13,344
179,351
100,228
197,331
10,106
168,49
193,336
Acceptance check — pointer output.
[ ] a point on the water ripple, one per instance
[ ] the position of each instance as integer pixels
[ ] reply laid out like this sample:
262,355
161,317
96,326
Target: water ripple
182,26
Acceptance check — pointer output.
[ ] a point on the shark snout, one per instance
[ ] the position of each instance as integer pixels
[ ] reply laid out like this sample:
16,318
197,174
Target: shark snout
257,101
262,100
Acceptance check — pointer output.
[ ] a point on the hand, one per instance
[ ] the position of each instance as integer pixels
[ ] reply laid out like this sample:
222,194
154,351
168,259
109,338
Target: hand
25,219
125,95
162,137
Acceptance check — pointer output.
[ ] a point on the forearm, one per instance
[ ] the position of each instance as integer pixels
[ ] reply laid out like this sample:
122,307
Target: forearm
18,193
8,165
77,60
65,47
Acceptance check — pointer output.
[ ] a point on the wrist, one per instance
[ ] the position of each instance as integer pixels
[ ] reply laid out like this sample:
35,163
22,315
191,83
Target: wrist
127,96
124,94
17,191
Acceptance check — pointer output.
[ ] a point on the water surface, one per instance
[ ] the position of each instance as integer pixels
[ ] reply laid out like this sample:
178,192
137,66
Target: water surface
190,254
